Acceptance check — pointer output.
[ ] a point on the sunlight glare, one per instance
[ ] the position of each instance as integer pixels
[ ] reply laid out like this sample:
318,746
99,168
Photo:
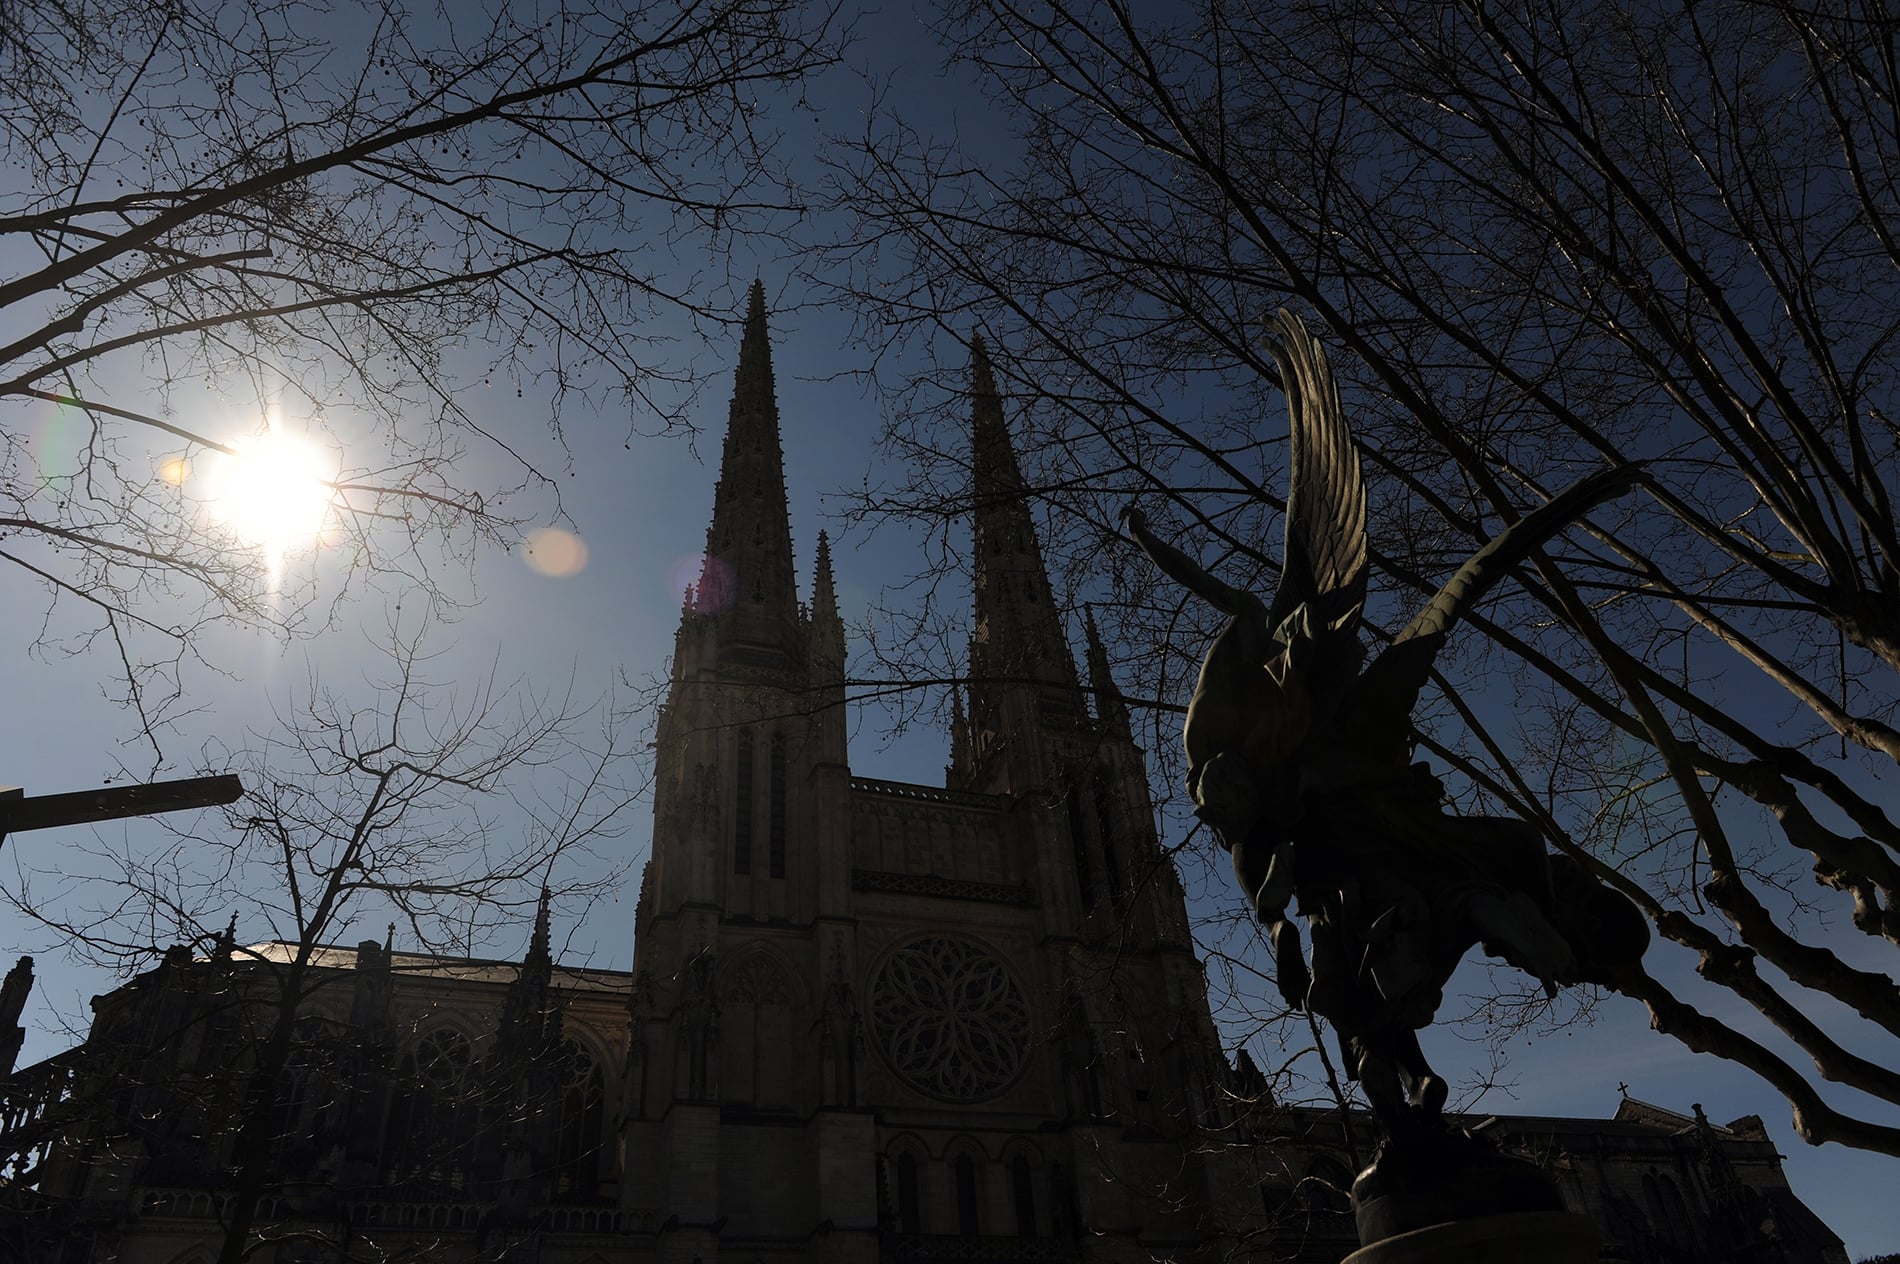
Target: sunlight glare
273,493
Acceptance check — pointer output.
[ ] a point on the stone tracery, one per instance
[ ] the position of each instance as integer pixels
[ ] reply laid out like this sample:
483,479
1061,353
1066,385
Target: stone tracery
949,1019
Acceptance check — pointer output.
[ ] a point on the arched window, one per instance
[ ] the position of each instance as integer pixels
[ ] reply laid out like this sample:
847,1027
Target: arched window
777,823
1667,1211
967,1223
1111,857
1652,1198
1094,1101
742,805
308,1105
756,1040
1023,1189
1065,1215
1327,1189
1078,839
583,1100
910,1219
1684,1229
433,1124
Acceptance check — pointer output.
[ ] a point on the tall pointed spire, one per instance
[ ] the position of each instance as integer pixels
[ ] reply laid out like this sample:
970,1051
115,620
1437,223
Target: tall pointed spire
1018,636
1110,710
747,584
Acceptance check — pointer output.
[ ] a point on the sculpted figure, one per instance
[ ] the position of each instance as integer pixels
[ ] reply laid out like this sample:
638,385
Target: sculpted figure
1300,760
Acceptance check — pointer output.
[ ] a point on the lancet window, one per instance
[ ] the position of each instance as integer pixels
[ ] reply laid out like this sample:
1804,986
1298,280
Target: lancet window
910,1219
967,1222
1023,1192
778,806
1111,856
433,1122
583,1104
756,1033
309,1104
742,805
1078,838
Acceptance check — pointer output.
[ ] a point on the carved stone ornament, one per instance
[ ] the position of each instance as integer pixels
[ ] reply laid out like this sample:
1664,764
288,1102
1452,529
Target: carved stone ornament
756,981
949,1019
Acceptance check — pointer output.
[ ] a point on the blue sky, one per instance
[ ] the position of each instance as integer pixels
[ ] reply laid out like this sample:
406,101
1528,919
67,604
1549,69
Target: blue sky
642,512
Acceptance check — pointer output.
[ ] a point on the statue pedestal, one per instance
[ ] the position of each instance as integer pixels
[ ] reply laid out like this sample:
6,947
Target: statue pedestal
1545,1237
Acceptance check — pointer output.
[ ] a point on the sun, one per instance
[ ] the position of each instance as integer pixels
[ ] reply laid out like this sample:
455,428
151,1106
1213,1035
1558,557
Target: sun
274,492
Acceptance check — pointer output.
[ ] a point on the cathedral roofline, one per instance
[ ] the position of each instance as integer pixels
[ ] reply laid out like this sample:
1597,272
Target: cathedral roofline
919,793
433,965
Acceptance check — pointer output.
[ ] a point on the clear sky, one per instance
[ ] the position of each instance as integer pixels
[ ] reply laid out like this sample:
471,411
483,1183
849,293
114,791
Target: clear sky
642,512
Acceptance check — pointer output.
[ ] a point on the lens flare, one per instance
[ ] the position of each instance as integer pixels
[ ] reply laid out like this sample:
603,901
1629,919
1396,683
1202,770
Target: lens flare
553,552
174,470
712,583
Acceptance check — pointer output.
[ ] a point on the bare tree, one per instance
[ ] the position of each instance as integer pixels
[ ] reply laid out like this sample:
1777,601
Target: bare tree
352,216
1539,242
449,808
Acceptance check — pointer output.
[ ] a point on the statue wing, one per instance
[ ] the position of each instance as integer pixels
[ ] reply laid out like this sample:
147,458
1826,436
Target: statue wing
1514,544
1325,562
1389,688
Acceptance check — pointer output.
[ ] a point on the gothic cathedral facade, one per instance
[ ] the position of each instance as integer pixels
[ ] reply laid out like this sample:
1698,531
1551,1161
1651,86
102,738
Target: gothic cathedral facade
914,1019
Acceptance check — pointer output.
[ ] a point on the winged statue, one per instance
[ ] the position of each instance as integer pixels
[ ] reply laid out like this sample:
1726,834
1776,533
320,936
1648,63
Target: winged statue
1300,759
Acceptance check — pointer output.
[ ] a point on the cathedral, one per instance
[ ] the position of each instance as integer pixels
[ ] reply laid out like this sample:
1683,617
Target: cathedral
867,1022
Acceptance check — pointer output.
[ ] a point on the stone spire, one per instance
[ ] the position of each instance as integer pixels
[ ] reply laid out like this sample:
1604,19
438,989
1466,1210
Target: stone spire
539,956
1017,638
530,1025
225,944
747,585
824,594
958,773
825,646
1110,710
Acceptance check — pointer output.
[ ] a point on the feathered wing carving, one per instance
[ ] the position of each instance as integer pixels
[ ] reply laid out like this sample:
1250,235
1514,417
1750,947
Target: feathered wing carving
1389,689
1316,610
1513,545
1325,561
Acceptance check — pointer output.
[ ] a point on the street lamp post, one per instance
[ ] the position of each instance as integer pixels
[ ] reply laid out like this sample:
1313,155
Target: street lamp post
44,811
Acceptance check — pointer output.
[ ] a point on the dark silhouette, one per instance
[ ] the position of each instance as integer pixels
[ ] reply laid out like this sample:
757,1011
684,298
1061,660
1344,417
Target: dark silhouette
1301,762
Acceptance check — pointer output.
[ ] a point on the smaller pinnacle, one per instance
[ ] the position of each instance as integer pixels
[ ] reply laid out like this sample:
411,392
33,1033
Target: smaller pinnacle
824,592
538,943
959,770
1109,707
227,940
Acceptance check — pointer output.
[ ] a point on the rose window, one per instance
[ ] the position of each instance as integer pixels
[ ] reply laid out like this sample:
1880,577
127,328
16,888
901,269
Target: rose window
949,1019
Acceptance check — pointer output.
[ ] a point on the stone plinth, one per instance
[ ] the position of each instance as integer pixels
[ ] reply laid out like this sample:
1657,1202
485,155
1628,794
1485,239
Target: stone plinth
1538,1237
